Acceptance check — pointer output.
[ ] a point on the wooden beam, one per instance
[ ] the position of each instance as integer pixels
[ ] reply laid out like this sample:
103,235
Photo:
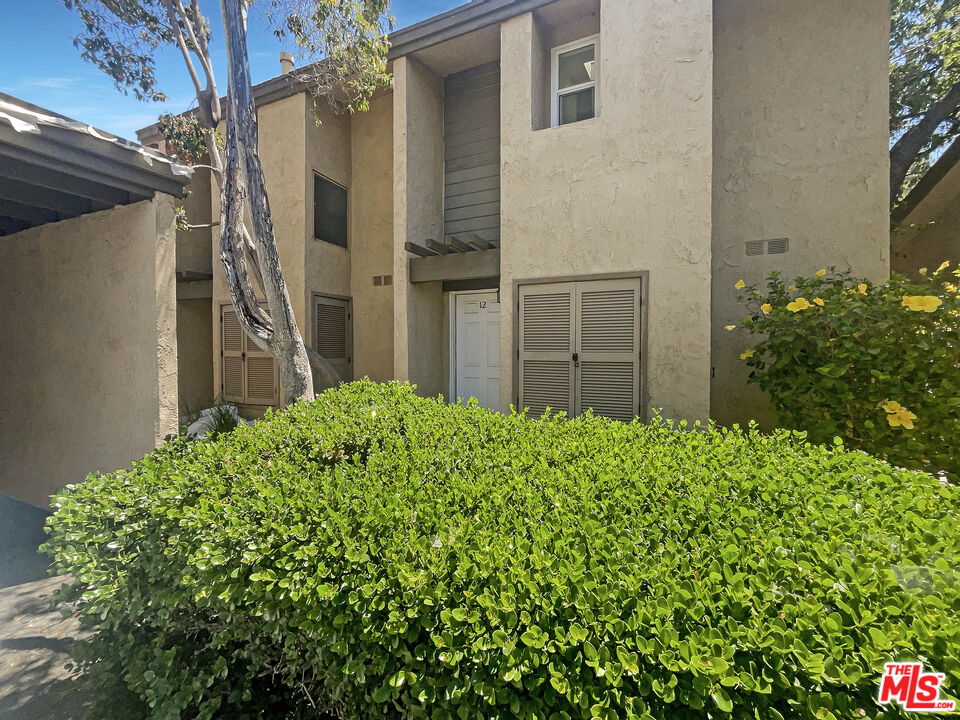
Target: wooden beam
438,247
419,250
27,213
478,242
9,225
458,245
64,182
459,266
39,197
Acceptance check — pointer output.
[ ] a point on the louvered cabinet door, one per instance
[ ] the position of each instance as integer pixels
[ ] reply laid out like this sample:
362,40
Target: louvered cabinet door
333,333
231,346
547,337
608,346
261,376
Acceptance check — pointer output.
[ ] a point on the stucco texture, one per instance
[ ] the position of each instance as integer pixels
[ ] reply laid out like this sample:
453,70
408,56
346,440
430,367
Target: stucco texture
193,246
371,239
800,152
194,354
90,359
627,191
326,266
417,216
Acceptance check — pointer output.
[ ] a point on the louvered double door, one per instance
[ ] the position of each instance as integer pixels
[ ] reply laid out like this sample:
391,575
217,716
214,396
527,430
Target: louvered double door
580,347
249,375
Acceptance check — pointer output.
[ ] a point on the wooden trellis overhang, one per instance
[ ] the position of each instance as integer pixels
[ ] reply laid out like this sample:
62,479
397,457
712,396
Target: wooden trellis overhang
467,257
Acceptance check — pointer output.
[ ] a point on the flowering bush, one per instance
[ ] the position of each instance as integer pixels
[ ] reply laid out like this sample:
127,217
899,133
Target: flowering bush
878,365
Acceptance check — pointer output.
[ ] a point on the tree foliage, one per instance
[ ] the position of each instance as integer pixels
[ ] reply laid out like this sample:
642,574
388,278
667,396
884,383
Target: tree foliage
924,71
878,365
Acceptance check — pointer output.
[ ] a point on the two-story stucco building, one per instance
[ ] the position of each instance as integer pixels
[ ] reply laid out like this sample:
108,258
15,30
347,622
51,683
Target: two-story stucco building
552,204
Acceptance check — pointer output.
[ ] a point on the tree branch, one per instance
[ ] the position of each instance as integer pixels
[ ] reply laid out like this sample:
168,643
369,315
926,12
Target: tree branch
181,43
904,153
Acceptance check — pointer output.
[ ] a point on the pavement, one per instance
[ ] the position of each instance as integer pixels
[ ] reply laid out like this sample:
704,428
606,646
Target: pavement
35,683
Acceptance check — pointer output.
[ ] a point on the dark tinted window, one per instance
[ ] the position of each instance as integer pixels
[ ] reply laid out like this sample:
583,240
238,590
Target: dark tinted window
329,211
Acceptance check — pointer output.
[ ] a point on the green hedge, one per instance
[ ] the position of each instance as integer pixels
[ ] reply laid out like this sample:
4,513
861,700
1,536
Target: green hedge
375,554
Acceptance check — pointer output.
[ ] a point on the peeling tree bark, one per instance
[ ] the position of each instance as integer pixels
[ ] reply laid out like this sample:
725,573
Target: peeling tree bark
237,248
243,180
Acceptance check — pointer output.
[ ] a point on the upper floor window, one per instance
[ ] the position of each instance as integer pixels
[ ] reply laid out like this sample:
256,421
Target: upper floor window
574,70
329,211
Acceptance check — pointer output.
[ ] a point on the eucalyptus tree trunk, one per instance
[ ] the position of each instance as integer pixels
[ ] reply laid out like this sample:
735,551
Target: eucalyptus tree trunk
243,185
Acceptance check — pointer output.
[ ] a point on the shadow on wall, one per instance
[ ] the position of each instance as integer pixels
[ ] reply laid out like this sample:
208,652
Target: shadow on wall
21,533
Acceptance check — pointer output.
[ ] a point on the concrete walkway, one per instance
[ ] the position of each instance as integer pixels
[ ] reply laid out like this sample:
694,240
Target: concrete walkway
34,640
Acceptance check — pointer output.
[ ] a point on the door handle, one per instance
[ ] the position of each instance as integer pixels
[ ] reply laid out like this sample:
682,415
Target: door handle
576,360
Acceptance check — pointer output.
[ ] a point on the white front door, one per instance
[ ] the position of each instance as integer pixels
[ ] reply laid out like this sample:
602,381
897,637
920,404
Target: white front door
477,348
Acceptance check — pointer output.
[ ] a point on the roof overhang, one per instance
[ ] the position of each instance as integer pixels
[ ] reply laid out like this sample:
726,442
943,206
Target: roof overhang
454,23
53,168
459,21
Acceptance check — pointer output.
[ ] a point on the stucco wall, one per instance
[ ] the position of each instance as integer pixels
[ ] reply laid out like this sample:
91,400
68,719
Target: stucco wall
282,147
930,234
194,354
327,266
418,215
629,190
800,152
193,246
89,365
371,239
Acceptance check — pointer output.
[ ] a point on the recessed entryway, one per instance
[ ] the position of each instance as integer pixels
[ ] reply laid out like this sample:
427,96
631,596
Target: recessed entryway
475,348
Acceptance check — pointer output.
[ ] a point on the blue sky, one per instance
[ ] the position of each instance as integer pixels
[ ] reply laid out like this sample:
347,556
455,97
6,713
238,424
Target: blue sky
39,63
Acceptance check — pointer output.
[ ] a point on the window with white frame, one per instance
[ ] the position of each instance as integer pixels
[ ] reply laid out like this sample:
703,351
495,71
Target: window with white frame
574,70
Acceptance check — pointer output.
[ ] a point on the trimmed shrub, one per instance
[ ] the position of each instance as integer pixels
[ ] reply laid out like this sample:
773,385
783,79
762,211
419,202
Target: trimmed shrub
374,554
878,365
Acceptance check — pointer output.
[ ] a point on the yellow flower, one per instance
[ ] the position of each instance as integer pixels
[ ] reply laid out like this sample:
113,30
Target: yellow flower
792,288
901,418
818,301
739,284
820,273
746,354
923,271
862,287
729,327
766,308
925,303
799,304
943,266
898,415
951,288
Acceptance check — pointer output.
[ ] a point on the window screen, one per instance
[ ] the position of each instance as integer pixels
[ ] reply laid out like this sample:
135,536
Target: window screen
329,211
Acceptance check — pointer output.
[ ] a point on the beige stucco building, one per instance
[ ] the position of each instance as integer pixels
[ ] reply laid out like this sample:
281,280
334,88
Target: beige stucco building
551,205
88,315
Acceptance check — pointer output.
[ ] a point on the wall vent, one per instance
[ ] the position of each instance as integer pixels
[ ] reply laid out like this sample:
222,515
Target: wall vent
776,246
755,247
380,280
